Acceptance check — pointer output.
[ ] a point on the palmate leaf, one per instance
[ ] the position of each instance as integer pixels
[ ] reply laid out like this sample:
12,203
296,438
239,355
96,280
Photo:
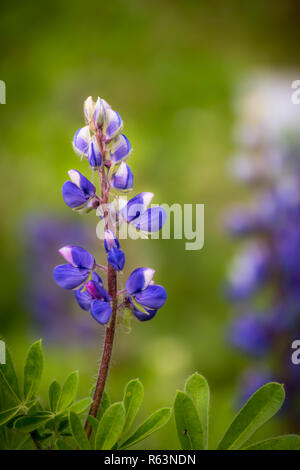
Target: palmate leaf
188,424
110,427
7,415
133,397
158,419
33,369
287,442
31,422
78,432
197,388
259,408
8,378
68,392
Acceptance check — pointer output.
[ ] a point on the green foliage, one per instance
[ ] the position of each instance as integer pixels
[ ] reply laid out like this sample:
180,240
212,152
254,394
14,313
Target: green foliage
259,408
33,369
133,397
61,426
68,392
25,423
110,427
191,416
78,432
188,424
158,419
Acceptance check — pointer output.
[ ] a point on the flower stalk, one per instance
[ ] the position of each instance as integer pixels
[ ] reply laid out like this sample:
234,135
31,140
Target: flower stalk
101,142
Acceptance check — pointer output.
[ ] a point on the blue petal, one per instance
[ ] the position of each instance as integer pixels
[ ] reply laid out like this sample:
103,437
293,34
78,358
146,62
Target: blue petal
68,276
97,278
82,258
101,311
152,220
72,195
82,182
153,297
136,206
120,149
94,154
123,178
83,298
139,279
116,259
81,141
143,316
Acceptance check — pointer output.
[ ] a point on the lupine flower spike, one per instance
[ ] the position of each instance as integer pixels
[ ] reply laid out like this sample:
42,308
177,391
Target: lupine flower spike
101,142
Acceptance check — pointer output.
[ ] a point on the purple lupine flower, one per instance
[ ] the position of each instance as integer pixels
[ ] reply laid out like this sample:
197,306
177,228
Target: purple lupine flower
250,333
248,271
95,298
106,150
79,193
115,256
122,179
80,264
145,296
136,212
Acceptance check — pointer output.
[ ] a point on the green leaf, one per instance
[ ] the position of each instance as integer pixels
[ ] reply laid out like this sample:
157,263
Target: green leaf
78,432
54,394
288,442
110,427
8,414
259,408
8,378
69,391
133,397
158,419
30,423
197,387
188,424
33,369
62,445
105,403
81,405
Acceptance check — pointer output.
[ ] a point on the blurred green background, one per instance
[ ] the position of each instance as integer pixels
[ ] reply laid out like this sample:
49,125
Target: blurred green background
171,69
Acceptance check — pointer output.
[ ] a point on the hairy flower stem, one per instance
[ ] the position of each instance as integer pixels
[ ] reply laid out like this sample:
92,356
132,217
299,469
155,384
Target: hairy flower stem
110,331
107,351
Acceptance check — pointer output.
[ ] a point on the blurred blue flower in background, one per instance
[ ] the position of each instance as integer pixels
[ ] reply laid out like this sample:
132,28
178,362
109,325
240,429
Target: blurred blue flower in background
264,276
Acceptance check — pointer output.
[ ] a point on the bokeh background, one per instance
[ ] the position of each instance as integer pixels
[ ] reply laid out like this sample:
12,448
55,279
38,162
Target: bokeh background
172,70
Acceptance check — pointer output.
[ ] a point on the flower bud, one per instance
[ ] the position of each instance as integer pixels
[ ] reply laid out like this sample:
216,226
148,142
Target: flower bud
88,109
122,179
112,125
94,154
120,149
81,141
110,241
100,111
